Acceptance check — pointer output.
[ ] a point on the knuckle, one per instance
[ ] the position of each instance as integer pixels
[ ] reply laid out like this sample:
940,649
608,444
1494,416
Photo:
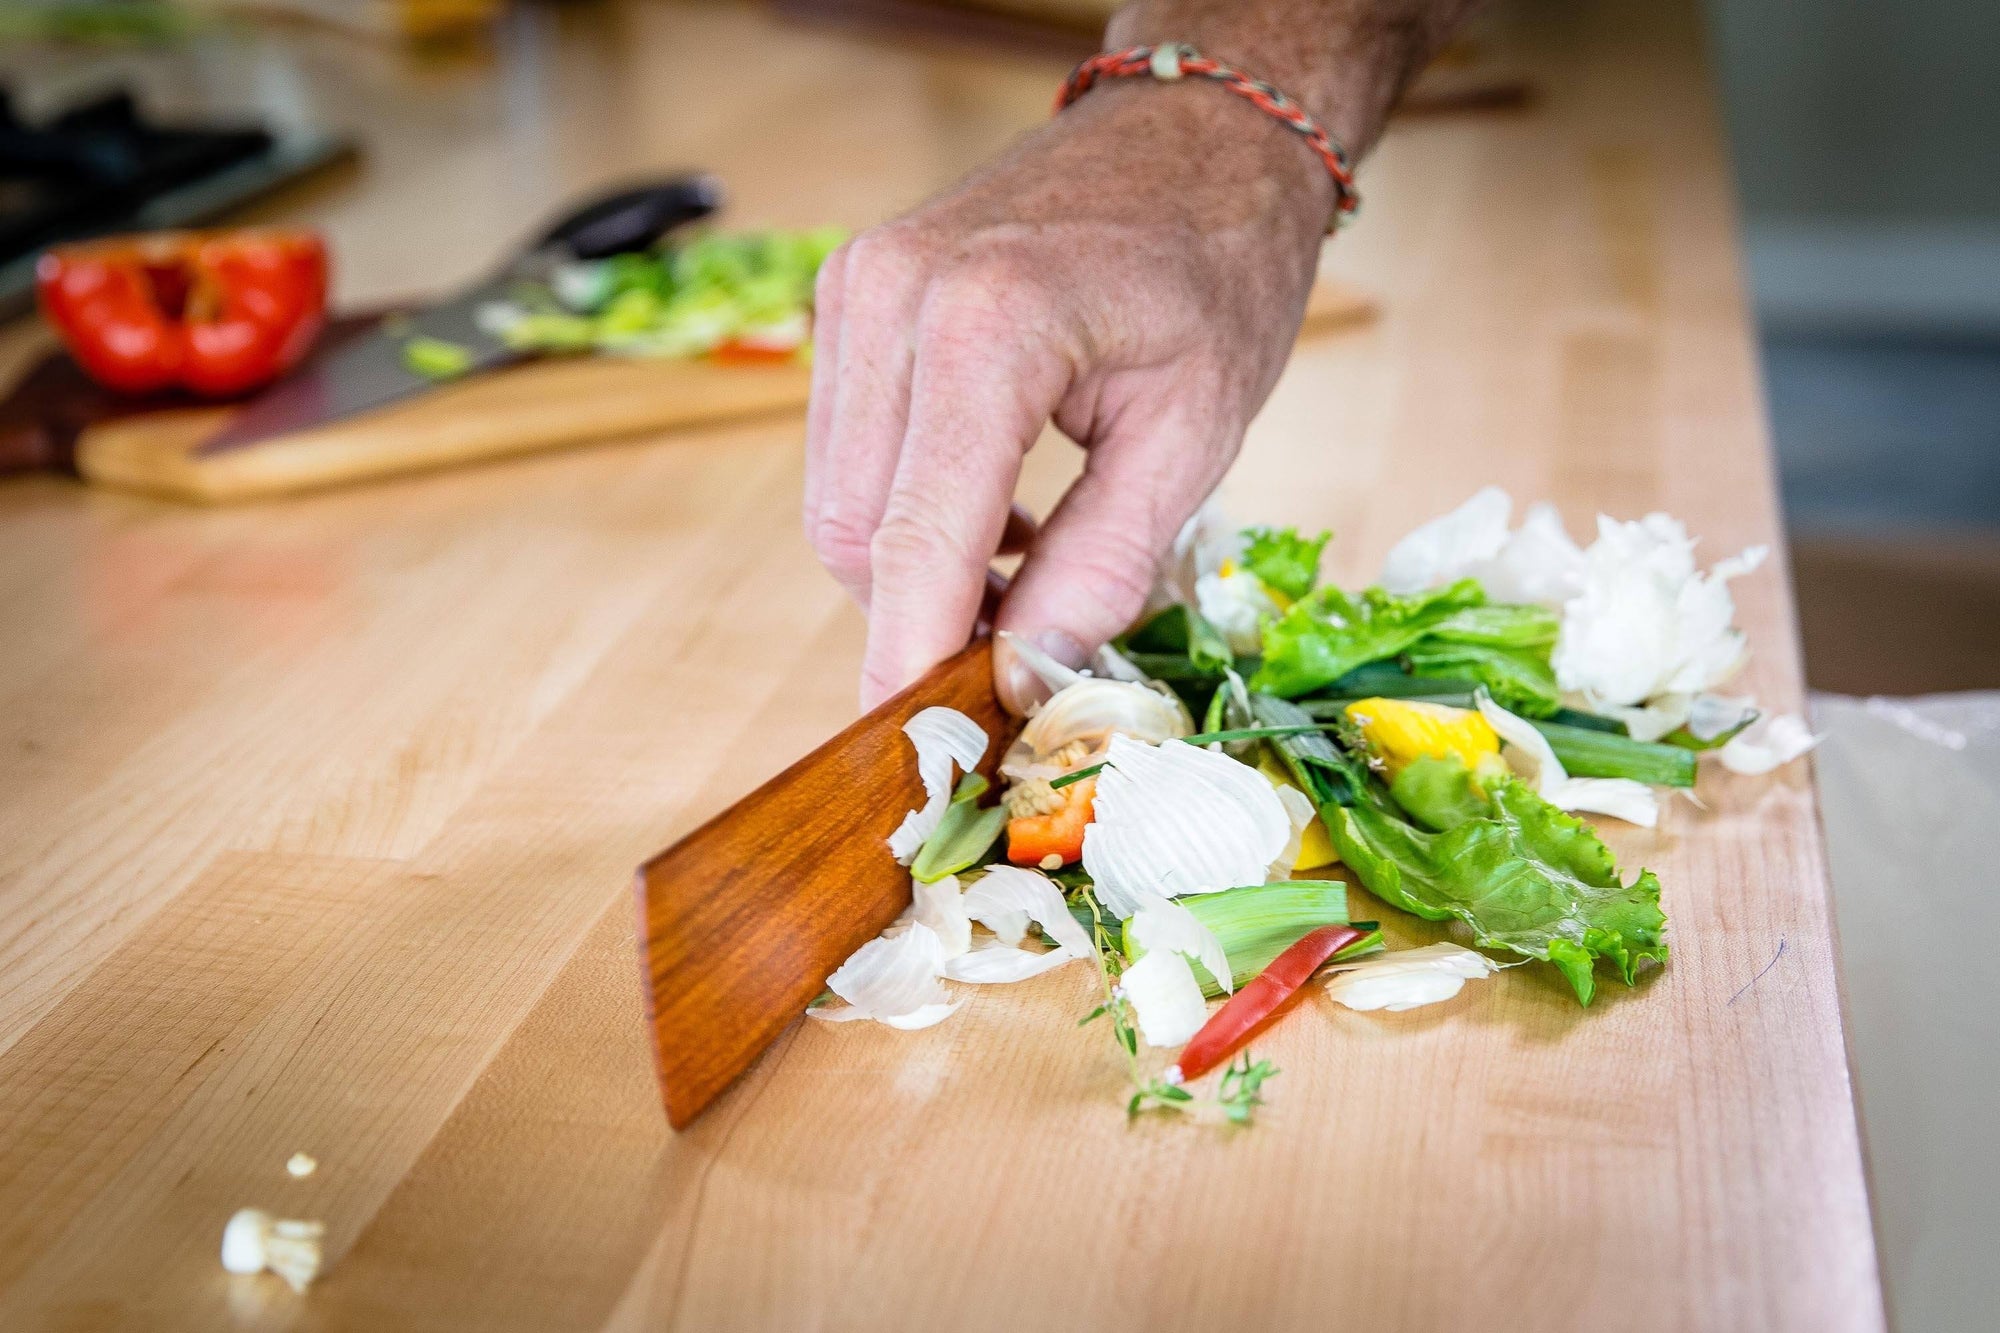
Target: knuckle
982,294
882,258
911,544
841,544
1117,567
832,275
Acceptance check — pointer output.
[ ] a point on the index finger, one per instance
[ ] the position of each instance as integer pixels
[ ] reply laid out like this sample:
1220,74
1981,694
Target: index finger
981,391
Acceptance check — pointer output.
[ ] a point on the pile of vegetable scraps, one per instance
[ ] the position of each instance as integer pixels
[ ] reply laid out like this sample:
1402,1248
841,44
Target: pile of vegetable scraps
1171,815
730,296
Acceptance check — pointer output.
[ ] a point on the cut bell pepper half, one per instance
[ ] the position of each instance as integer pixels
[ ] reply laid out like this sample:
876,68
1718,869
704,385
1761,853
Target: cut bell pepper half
217,313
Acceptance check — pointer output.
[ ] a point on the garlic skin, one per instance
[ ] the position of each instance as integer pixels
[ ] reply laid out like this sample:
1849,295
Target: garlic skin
1237,604
942,737
1407,978
1769,744
243,1241
253,1241
1077,723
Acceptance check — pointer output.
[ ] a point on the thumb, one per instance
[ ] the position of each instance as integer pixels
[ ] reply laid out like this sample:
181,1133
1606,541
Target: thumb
1090,571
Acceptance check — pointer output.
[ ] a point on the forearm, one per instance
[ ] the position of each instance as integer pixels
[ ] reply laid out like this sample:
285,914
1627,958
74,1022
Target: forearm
1134,270
1345,60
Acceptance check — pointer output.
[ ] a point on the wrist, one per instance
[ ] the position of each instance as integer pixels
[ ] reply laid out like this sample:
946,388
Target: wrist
1230,165
1345,61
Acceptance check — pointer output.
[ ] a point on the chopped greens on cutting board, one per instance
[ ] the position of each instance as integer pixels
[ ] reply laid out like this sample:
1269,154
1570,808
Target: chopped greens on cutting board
733,296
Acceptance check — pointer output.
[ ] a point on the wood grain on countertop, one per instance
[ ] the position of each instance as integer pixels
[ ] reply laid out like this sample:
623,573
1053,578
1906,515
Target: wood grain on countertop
317,818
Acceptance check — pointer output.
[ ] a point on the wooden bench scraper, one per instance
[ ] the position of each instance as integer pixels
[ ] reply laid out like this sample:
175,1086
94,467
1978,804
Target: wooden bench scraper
742,921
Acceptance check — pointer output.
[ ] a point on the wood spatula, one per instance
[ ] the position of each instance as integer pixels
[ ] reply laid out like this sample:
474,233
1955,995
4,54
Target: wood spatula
743,920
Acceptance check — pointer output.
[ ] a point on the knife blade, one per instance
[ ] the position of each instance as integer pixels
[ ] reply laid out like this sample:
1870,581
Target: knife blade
372,370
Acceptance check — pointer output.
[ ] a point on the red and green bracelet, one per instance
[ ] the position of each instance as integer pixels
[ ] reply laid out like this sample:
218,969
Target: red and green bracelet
1171,60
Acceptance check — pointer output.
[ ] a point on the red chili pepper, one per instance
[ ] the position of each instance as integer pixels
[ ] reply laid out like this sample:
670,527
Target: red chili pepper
1231,1025
219,313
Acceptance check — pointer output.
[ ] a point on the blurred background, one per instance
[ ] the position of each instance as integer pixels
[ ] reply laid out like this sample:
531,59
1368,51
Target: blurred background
1868,170
1865,150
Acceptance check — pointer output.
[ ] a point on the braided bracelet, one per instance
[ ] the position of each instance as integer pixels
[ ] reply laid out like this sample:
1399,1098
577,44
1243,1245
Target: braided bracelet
1171,60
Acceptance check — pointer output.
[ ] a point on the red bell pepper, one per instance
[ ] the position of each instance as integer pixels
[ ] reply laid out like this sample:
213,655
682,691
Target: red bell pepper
1032,839
1231,1025
218,313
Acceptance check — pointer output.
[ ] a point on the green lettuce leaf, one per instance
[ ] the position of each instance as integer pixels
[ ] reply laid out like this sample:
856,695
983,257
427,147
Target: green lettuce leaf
1439,793
1519,679
1524,876
1501,625
1327,634
1283,560
679,302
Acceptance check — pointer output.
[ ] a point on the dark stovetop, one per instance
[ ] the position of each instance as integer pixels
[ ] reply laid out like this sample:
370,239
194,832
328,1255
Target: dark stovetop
103,167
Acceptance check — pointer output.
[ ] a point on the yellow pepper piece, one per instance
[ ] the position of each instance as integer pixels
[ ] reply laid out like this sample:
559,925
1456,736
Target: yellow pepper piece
1402,730
1315,847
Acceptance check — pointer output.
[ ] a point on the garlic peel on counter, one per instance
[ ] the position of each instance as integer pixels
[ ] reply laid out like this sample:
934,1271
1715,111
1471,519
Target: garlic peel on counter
254,1241
942,737
1077,723
1175,819
1407,978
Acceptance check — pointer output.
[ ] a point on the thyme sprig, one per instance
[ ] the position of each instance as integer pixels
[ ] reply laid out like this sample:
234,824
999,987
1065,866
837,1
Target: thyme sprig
1240,1091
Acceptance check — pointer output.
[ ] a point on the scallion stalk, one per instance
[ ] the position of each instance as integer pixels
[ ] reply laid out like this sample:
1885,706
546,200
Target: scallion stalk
1257,922
1589,753
963,836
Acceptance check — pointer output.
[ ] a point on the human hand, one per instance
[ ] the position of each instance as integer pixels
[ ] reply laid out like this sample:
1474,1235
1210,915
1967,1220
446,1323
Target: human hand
1136,270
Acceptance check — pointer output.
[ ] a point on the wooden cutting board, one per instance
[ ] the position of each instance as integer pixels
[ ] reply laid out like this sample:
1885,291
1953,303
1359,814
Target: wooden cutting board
58,418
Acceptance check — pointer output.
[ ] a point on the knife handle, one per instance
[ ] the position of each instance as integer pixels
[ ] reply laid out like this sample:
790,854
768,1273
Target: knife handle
632,219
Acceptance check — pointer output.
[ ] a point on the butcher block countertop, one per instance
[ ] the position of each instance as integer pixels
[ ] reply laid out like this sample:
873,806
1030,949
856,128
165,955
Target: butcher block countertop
318,818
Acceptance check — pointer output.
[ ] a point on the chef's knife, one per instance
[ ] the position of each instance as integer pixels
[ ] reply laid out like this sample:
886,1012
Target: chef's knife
372,370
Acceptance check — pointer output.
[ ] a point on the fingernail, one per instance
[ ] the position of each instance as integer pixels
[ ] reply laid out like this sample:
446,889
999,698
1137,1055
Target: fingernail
1019,687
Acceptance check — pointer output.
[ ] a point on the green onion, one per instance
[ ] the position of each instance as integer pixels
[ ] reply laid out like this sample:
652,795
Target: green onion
1337,707
1589,753
1170,668
1386,680
964,836
1257,922
1576,717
